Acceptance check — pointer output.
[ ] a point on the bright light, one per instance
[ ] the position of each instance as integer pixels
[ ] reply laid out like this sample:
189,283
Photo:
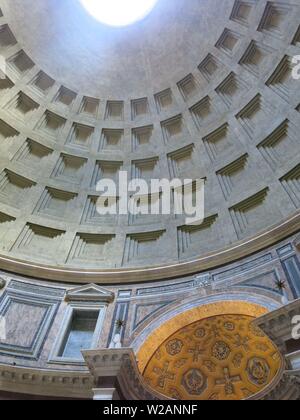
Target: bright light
119,12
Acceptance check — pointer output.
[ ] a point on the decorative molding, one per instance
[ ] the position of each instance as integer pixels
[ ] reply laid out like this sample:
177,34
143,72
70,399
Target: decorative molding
86,308
265,281
188,87
218,142
141,136
114,110
111,139
198,281
65,97
32,153
202,112
139,108
281,80
36,289
291,184
119,321
105,169
252,115
21,106
285,250
7,132
282,140
90,248
297,242
227,176
118,369
242,11
274,17
144,168
255,57
137,245
173,128
231,88
51,124
89,106
291,267
39,240
228,41
278,324
180,161
193,235
285,389
46,309
20,64
80,135
296,39
69,168
40,382
42,83
15,188
241,211
89,293
209,66
163,100
243,268
150,309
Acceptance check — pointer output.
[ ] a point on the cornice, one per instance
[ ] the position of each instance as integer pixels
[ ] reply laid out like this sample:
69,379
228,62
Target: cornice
120,366
39,382
278,324
89,293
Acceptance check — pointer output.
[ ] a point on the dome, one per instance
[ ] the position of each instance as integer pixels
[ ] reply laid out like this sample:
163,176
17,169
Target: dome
126,63
195,90
149,199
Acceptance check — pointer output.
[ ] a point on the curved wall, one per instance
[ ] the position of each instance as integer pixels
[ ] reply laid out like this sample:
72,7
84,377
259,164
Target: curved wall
144,308
37,314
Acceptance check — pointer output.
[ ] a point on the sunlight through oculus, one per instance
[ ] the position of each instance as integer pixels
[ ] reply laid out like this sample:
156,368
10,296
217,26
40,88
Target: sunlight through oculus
119,12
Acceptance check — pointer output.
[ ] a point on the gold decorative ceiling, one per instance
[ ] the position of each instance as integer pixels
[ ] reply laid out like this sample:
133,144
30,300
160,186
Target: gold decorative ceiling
219,358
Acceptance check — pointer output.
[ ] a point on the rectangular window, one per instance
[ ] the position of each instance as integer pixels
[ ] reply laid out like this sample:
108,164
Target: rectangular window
80,330
79,335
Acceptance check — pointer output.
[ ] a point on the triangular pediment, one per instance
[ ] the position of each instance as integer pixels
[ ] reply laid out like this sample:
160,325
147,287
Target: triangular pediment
90,293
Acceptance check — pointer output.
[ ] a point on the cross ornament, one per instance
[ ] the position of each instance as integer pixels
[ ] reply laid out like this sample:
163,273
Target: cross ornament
196,352
228,382
164,375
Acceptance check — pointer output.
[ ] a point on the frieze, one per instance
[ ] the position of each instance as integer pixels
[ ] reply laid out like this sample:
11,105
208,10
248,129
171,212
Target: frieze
243,268
35,289
54,383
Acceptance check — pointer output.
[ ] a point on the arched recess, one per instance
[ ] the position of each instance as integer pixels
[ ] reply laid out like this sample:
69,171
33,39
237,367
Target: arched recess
172,351
189,311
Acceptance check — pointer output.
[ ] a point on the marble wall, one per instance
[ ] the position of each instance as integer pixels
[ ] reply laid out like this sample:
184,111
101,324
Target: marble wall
35,310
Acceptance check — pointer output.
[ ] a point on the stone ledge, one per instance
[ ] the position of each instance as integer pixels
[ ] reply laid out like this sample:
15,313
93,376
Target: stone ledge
40,382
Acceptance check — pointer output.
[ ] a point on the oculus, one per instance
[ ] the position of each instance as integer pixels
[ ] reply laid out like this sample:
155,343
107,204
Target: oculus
119,12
